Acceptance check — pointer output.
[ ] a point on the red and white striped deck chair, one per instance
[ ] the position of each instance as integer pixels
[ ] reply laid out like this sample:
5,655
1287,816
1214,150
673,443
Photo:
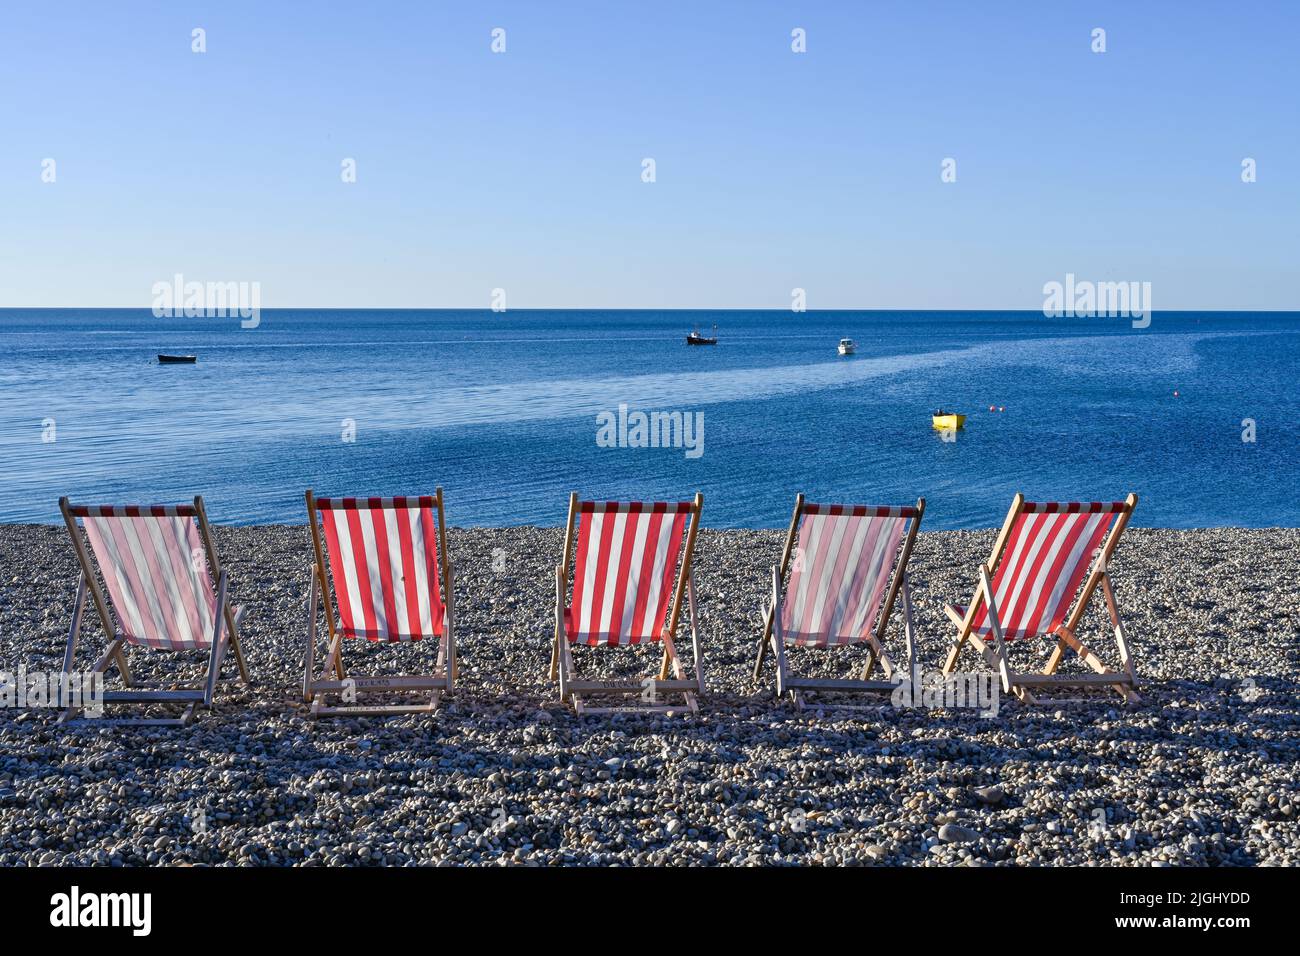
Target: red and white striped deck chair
391,578
1030,587
628,585
157,563
848,569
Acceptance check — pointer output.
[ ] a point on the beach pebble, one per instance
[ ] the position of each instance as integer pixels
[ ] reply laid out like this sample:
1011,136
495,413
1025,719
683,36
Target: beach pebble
953,833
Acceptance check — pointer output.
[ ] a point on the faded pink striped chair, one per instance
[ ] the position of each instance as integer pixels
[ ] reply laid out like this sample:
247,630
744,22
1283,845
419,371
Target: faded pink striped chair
631,570
844,576
157,563
1030,587
391,573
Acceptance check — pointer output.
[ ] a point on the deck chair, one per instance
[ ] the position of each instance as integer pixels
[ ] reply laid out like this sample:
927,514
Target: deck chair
384,563
628,586
1029,584
848,559
157,563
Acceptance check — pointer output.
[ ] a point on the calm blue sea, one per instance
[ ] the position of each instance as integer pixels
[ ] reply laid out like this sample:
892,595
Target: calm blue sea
500,409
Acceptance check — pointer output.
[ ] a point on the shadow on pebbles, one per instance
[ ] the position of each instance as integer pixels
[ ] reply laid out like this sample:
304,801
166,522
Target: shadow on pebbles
1204,771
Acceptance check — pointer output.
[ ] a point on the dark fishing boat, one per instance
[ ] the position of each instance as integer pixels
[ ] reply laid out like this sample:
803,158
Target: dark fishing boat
695,338
177,359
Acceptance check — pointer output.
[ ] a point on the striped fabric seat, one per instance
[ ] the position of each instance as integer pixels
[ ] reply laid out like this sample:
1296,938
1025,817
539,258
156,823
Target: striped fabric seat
838,578
152,560
627,557
1047,555
383,557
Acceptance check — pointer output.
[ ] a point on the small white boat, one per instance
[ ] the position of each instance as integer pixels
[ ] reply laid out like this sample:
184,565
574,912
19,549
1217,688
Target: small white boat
848,346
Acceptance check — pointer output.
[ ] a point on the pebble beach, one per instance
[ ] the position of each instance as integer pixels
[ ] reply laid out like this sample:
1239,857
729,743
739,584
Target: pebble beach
1205,771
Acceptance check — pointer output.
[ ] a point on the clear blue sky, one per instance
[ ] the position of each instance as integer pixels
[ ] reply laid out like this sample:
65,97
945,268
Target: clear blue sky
522,170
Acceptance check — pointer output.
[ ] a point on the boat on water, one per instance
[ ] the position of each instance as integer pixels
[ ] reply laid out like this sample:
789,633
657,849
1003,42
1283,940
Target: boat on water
848,346
177,359
947,421
696,337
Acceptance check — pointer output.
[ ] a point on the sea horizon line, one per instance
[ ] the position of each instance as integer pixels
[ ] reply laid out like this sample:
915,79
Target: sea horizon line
782,311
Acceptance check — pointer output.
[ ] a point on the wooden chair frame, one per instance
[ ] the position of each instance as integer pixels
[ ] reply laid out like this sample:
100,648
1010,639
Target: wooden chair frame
671,677
994,650
773,638
317,691
225,634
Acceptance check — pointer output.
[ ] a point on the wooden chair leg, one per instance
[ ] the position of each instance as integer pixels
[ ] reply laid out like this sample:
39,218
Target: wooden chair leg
334,660
1096,663
119,658
74,631
697,653
778,646
909,633
309,653
566,670
559,623
876,654
453,668
74,636
218,643
442,661
1086,655
769,622
763,638
239,653
215,659
1054,661
670,655
671,664
1121,642
101,667
870,665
